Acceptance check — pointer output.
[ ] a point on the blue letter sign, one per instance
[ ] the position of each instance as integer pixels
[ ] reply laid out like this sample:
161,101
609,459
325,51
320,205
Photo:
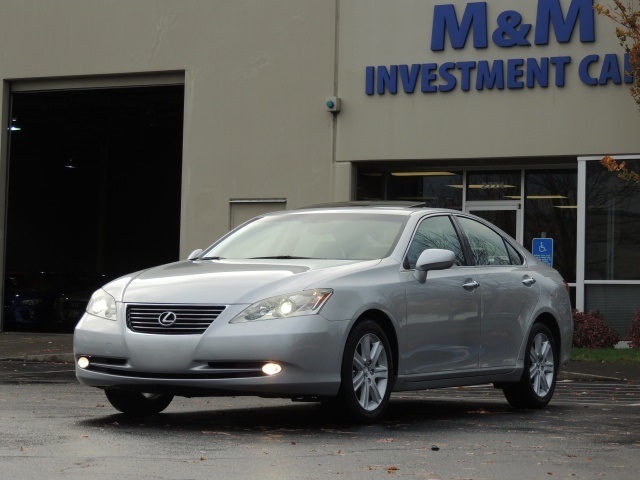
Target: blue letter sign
479,23
445,21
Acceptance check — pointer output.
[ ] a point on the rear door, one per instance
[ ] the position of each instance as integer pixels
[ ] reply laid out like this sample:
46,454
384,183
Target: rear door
509,294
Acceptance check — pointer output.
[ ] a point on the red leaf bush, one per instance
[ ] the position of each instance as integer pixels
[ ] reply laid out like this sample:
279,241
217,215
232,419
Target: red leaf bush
590,330
634,331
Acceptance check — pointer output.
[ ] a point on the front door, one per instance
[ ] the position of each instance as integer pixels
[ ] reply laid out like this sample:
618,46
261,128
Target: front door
504,214
443,313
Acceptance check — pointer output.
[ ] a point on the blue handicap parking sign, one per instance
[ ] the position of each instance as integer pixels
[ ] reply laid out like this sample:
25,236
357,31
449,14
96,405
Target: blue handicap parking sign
542,249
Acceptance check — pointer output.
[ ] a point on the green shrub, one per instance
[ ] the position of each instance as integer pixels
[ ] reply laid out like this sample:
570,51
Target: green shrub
590,330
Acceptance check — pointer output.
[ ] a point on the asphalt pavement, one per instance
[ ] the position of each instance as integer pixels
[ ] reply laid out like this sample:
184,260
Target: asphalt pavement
58,348
36,347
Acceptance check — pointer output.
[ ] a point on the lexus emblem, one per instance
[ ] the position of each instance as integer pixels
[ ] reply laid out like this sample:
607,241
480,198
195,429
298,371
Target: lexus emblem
166,319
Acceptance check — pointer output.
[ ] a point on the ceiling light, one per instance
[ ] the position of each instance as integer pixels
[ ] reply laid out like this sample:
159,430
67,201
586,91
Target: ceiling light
545,197
13,127
484,186
423,174
417,199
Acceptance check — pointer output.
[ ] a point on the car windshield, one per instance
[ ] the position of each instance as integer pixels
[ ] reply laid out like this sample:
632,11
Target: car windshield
323,235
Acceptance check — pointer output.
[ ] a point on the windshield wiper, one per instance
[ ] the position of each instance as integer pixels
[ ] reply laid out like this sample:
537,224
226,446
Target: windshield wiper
281,257
212,258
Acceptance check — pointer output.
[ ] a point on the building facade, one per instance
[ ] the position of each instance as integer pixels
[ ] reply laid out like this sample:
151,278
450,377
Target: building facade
499,108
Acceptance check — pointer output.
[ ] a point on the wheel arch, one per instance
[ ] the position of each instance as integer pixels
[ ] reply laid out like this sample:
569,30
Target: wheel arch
549,321
389,329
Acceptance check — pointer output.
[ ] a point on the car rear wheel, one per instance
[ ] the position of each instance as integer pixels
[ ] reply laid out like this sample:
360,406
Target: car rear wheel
367,372
136,403
538,382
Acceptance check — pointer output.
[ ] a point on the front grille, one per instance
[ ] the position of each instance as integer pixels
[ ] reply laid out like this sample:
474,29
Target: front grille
171,319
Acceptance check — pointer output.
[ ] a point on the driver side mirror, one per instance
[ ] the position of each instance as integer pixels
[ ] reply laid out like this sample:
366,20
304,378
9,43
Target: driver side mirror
433,259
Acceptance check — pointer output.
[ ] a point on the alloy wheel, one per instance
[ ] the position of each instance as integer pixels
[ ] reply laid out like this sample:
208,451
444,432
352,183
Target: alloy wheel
370,372
542,366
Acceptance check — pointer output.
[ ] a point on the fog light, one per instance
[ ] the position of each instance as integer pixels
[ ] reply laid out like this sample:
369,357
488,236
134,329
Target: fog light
271,368
83,362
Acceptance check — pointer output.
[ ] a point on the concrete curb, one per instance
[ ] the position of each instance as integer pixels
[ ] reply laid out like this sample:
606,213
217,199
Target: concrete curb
56,358
586,377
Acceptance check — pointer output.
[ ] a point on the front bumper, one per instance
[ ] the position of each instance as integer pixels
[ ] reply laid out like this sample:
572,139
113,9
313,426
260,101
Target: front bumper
225,360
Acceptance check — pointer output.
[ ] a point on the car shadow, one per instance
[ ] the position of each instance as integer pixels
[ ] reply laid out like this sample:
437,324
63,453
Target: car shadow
260,416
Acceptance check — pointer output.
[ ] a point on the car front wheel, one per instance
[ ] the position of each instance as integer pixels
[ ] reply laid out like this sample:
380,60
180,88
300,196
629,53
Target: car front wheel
367,372
538,382
136,403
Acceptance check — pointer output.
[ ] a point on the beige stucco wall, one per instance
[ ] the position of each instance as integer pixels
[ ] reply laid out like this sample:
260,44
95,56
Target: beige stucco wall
256,77
257,73
577,119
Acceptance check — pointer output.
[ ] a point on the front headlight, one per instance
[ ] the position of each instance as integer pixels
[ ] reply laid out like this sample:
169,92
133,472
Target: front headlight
102,305
308,302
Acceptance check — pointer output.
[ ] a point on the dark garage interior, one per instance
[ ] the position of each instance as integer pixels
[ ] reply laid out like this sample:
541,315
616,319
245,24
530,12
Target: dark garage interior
94,187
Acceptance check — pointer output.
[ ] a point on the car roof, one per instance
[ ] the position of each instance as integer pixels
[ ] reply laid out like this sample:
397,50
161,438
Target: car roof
406,208
370,203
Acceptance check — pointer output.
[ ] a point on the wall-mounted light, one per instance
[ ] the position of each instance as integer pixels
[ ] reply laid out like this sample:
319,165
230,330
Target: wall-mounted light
333,104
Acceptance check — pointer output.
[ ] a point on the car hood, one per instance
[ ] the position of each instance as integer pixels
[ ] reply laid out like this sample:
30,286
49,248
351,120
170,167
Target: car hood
229,282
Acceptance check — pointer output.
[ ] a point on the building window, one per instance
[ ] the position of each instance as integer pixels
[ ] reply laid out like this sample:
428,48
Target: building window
611,238
617,303
370,185
437,189
498,185
551,212
612,220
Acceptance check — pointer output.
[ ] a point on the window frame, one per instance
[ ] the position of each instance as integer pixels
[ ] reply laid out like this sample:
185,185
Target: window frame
456,228
507,245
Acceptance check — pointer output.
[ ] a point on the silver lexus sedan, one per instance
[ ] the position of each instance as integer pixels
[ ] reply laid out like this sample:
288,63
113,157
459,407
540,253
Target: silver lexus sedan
339,304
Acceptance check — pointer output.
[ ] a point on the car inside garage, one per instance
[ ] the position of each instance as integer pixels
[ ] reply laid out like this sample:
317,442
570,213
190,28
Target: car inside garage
94,192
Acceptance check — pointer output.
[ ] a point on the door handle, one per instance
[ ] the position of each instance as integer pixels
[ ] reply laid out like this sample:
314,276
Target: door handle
470,285
528,281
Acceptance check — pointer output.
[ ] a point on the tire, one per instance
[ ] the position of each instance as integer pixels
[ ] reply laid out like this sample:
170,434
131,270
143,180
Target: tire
137,403
538,381
367,372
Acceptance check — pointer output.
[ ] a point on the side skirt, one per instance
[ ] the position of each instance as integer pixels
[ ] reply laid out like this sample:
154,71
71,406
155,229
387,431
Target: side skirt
456,379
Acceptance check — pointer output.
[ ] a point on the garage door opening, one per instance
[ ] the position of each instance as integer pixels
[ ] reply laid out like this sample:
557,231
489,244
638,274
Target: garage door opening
94,189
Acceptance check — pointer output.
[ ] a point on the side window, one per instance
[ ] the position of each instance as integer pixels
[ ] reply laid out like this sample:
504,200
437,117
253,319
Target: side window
434,232
487,247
